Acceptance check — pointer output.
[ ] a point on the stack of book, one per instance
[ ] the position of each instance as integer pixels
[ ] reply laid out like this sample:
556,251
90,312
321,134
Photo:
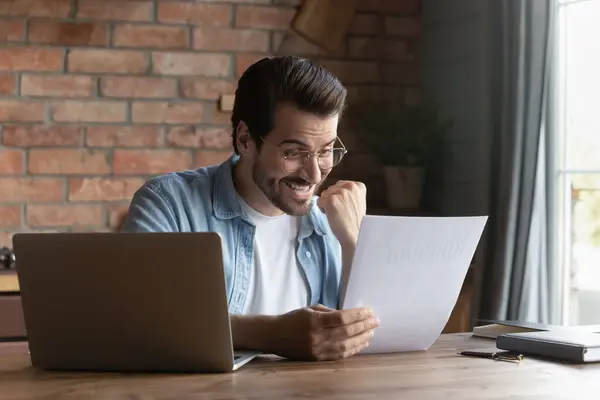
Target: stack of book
577,344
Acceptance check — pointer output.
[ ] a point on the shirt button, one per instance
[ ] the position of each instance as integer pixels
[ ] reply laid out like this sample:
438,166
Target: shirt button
308,254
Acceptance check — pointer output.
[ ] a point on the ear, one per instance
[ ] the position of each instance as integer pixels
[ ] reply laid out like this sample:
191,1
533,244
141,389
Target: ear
244,141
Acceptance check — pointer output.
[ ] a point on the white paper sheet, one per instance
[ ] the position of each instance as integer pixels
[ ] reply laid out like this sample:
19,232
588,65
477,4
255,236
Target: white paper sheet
410,271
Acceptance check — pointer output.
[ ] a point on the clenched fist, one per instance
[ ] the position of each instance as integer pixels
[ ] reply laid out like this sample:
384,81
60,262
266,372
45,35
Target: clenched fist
319,333
345,204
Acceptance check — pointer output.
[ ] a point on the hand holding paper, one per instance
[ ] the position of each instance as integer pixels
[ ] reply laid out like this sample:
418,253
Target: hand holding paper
410,270
320,333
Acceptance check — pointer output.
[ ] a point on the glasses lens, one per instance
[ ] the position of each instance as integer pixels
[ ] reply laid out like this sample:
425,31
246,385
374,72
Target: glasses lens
331,159
292,164
327,160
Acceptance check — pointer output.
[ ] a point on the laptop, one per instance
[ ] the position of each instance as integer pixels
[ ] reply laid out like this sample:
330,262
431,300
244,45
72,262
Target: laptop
126,302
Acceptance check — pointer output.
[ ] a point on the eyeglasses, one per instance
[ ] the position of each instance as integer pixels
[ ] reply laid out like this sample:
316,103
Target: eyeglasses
293,160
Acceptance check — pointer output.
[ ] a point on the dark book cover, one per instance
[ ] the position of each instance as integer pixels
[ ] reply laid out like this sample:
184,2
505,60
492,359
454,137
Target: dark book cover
572,345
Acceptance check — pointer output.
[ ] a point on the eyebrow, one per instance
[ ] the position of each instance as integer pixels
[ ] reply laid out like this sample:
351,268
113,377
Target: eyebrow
301,143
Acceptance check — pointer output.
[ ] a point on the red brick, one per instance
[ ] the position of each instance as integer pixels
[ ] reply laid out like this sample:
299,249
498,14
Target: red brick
103,189
7,84
218,117
277,39
6,239
353,71
138,87
223,39
195,14
291,43
203,158
88,111
102,61
363,47
116,215
10,216
68,33
68,161
167,112
115,10
391,49
67,86
21,110
403,26
264,17
11,31
376,48
123,136
400,73
192,64
209,89
162,37
365,24
243,61
210,138
11,162
41,135
35,8
373,93
31,190
31,59
150,162
63,215
390,6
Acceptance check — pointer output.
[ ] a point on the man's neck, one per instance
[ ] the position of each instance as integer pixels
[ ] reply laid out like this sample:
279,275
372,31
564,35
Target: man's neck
249,192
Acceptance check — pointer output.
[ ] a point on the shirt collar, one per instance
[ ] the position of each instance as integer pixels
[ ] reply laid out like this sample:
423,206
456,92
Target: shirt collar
225,203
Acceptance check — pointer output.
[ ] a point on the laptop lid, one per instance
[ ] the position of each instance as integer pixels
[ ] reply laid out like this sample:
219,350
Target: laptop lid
125,301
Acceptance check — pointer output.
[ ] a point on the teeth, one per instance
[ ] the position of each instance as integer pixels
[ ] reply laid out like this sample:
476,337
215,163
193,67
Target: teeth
300,188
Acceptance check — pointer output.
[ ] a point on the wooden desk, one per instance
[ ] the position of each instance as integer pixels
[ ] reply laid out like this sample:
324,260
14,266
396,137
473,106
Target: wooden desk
436,374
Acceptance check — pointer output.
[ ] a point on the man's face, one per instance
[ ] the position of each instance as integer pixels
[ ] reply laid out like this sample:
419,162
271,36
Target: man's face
290,189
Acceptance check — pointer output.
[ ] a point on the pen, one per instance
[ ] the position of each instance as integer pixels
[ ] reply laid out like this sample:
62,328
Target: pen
500,356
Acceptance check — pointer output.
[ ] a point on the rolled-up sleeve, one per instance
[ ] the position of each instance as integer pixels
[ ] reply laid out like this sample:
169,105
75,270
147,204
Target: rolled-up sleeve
149,211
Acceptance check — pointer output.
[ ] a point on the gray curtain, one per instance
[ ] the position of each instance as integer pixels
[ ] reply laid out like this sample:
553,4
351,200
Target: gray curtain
515,281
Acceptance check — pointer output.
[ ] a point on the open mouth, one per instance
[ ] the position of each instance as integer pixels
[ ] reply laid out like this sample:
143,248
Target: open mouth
300,190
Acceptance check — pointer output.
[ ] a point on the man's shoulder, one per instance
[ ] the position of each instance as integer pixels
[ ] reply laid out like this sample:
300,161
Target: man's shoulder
180,191
183,181
175,201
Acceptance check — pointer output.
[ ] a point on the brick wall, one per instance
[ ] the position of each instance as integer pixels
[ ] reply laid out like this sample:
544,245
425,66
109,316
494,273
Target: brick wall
97,96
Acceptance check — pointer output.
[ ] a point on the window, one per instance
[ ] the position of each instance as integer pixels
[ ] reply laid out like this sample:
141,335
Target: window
578,147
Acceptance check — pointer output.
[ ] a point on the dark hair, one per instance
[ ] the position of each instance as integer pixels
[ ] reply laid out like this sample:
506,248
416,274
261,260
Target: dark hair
286,79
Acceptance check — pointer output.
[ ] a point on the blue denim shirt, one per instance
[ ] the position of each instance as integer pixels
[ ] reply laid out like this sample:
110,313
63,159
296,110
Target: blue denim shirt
205,200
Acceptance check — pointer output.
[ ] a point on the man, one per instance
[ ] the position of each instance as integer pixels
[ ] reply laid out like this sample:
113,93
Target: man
283,248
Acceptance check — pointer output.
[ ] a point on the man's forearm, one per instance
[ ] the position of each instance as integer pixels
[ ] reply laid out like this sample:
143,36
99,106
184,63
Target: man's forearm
252,332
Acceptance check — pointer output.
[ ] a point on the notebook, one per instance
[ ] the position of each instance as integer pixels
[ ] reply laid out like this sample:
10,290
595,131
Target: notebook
494,328
573,345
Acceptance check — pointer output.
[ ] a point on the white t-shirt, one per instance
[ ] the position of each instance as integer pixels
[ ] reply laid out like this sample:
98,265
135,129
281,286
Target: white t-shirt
277,284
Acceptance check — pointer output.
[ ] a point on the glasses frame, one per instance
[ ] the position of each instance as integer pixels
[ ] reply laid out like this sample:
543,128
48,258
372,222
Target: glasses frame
312,154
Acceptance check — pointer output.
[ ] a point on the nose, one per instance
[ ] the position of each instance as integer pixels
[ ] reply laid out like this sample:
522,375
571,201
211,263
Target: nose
311,171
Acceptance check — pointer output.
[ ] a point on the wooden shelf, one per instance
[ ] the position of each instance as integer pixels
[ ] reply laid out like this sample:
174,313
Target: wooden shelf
9,282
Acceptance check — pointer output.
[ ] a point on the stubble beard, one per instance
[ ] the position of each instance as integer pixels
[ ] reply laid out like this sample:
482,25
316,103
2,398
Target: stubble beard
270,188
